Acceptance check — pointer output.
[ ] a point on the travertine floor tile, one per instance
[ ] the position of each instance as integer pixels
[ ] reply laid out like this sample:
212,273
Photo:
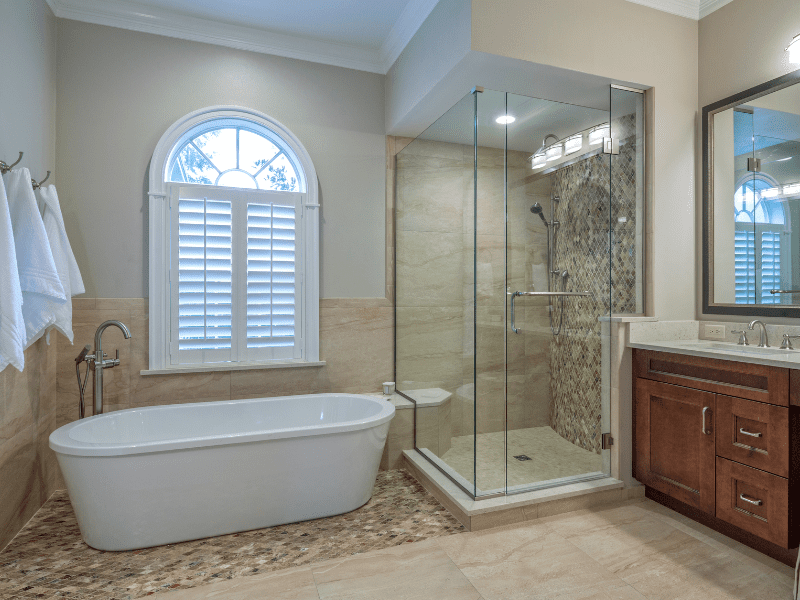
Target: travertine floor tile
406,572
526,561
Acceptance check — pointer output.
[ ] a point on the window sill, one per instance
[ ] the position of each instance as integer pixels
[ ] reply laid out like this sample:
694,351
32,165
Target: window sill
239,367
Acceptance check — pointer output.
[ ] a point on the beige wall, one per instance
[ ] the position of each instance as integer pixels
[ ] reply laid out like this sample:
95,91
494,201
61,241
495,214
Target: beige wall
650,48
119,90
28,473
741,45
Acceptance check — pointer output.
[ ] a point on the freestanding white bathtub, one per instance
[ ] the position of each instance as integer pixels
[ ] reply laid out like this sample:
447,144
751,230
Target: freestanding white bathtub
164,474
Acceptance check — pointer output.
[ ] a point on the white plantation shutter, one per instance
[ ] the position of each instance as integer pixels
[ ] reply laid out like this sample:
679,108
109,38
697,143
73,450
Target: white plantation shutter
271,274
234,278
770,266
745,266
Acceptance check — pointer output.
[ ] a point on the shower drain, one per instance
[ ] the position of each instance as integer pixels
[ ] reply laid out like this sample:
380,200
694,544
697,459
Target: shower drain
522,457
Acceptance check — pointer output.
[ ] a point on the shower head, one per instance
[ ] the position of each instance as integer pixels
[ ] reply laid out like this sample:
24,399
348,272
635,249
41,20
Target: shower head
537,210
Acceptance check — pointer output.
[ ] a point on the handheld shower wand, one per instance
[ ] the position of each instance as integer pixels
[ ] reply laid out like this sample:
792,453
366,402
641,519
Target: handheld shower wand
537,210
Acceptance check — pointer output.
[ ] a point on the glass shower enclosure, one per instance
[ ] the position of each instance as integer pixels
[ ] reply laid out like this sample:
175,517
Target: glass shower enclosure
519,231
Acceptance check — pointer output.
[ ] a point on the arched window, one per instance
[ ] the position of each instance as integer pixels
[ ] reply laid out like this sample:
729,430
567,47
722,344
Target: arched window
233,244
761,256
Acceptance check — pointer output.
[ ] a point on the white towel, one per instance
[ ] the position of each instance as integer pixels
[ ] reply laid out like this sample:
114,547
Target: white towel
42,292
64,259
12,326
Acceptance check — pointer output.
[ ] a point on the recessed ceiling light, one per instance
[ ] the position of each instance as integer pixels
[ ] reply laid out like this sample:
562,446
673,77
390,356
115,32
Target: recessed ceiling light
505,119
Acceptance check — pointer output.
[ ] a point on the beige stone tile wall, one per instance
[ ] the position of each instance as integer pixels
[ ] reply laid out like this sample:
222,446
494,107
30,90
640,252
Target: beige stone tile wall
28,469
355,342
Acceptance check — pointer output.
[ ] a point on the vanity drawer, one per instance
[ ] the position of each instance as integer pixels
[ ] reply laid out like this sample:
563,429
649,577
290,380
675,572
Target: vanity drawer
753,433
754,500
743,380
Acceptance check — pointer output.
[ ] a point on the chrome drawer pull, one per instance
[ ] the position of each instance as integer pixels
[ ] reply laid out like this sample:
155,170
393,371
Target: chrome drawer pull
750,433
750,500
706,431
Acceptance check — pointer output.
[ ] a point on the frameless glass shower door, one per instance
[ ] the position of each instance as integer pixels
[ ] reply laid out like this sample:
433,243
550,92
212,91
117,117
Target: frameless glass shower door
519,231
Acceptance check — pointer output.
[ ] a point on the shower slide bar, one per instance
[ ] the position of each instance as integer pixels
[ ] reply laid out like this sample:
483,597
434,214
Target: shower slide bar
516,329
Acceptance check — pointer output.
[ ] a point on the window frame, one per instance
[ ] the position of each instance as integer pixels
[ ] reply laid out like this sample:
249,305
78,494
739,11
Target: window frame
160,240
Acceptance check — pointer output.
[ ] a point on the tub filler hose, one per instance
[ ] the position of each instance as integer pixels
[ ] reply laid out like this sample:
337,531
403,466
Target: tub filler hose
82,385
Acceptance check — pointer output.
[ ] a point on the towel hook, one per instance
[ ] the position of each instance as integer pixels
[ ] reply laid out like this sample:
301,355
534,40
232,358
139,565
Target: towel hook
5,168
38,185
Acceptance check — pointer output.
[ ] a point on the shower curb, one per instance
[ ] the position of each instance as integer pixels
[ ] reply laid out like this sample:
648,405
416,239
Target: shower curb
476,515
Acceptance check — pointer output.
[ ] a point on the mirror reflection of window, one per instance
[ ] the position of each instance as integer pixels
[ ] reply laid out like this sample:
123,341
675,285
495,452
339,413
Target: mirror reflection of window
766,144
760,255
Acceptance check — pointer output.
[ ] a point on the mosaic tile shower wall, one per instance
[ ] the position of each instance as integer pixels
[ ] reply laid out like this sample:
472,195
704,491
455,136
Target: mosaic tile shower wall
584,248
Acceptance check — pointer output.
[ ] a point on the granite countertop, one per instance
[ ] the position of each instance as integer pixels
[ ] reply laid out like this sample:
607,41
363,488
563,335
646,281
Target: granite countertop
773,357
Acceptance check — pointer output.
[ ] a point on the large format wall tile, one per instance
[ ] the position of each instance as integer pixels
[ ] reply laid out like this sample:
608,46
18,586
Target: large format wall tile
356,341
28,469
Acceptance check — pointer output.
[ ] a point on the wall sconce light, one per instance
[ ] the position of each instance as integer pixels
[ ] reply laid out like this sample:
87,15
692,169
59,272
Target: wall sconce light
794,49
538,161
573,144
554,152
597,134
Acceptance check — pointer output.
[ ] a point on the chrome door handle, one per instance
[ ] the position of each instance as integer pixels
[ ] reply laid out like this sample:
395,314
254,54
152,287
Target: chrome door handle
706,410
750,433
750,500
513,324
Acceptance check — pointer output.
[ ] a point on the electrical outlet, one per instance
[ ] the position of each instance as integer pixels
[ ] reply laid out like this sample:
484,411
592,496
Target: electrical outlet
715,332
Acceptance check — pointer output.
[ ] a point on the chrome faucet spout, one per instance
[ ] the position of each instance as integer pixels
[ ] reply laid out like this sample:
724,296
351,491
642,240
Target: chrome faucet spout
100,362
763,340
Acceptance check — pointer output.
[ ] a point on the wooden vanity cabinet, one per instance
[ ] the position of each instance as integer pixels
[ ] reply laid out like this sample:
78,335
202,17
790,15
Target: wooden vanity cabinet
721,438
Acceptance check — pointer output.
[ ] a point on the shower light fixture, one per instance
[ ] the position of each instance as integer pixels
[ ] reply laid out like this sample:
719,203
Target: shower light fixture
554,152
597,134
791,190
794,49
538,160
505,119
770,192
573,144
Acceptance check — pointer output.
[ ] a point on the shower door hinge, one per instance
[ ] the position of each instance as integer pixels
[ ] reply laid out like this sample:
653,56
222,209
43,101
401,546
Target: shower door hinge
606,441
754,165
610,146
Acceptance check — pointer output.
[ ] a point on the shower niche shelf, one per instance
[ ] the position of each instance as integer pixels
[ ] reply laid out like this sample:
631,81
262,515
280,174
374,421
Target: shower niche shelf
715,440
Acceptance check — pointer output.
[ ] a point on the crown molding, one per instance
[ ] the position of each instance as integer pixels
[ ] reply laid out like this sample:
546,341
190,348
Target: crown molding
692,9
683,8
709,6
407,24
126,15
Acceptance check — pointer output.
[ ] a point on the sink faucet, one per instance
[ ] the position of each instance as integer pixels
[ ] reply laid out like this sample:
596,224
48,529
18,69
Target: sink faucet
99,363
763,342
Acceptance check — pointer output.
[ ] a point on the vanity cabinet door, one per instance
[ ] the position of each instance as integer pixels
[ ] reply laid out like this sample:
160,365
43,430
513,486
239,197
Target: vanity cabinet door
674,442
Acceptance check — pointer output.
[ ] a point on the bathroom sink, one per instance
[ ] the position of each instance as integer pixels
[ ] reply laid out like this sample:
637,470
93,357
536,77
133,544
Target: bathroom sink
737,349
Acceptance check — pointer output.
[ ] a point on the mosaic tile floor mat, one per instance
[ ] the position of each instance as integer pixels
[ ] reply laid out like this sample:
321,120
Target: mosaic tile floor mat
48,558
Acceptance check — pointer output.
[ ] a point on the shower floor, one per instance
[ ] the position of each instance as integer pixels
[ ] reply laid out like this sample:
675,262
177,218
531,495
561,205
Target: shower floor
551,457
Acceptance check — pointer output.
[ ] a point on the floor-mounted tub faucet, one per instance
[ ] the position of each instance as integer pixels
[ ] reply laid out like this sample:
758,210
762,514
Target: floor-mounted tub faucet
97,362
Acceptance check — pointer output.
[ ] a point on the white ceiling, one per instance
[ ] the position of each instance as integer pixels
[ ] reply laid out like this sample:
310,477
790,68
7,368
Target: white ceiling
367,35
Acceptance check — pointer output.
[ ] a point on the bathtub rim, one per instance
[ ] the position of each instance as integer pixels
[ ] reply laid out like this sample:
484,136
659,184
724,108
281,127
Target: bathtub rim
61,442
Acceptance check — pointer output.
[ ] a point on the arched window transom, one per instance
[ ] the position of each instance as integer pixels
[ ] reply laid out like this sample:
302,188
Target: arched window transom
235,153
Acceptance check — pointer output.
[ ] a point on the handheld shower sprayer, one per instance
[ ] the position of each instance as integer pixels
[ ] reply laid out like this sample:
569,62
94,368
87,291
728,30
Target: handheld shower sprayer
537,210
